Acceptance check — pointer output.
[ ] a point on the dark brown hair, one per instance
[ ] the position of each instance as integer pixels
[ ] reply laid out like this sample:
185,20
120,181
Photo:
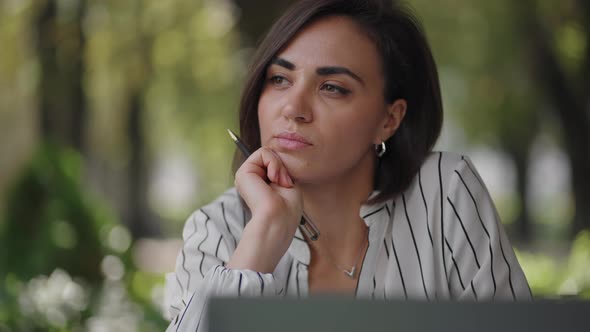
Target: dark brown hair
408,68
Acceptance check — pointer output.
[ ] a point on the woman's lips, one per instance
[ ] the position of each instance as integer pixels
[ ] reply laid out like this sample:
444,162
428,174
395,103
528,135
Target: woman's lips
292,141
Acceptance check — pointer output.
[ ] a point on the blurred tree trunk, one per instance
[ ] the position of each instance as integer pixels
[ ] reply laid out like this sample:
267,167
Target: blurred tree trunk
516,135
46,31
60,47
568,98
523,224
76,71
140,220
138,217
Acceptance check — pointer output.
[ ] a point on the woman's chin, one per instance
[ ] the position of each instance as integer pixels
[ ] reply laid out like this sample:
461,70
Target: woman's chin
298,169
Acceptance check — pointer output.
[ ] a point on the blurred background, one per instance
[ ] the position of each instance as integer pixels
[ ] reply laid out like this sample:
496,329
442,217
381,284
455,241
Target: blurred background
112,131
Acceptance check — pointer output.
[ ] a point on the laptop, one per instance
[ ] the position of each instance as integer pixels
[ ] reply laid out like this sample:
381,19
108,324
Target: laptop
347,315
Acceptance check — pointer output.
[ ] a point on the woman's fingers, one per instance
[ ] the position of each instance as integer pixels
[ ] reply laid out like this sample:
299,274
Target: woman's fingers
272,163
267,161
264,183
287,181
262,168
282,177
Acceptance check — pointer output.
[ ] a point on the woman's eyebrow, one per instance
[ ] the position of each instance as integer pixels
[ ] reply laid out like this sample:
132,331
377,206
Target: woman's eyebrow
283,63
331,70
322,71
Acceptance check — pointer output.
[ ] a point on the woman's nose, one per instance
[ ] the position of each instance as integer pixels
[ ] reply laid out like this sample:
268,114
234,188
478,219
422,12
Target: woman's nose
297,106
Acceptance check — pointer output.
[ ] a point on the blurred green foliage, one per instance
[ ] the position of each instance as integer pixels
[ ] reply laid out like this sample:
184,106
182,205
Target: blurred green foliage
59,257
49,221
553,277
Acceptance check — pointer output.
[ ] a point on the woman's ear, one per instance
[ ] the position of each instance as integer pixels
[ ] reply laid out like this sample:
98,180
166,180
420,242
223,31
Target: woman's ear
395,113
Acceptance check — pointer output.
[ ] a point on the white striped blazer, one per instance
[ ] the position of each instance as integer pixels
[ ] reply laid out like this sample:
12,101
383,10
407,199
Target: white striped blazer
440,240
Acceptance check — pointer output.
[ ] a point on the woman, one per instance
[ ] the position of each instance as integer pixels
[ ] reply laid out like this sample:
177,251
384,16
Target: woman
342,108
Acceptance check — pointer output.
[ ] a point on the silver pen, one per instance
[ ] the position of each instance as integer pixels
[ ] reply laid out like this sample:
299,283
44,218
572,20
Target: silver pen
306,225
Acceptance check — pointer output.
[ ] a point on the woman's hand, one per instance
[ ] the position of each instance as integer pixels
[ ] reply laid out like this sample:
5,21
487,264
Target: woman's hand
276,205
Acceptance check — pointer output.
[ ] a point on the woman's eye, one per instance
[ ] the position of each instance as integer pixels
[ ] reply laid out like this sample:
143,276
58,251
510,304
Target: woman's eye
277,80
331,88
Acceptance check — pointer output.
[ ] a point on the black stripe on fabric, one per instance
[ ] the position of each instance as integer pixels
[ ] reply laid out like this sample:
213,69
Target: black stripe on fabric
227,225
201,314
485,230
465,232
261,284
184,312
175,307
508,265
499,240
202,252
374,287
356,288
188,275
425,207
240,285
415,247
399,269
297,280
188,282
298,238
455,264
473,289
203,212
388,212
217,248
473,172
288,277
372,213
386,250
474,203
442,225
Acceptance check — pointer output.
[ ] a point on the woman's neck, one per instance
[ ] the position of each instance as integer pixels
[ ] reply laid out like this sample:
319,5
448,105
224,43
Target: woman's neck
334,205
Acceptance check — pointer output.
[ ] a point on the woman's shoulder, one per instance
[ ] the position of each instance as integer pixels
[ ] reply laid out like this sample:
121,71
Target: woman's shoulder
439,172
226,211
443,159
443,165
444,179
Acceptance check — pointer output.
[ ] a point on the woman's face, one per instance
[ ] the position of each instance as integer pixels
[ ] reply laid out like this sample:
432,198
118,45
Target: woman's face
322,107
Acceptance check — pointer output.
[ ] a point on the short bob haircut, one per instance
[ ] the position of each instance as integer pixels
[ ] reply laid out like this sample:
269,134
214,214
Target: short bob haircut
409,72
